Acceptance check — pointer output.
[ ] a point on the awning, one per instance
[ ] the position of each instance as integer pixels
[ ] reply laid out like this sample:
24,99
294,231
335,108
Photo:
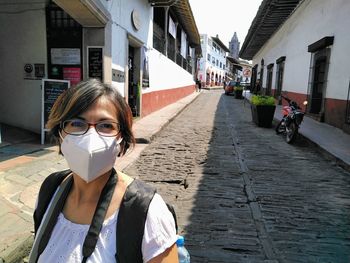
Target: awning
87,13
270,16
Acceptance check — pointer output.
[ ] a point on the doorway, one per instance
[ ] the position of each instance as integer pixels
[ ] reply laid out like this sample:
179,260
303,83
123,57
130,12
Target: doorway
64,45
269,79
318,85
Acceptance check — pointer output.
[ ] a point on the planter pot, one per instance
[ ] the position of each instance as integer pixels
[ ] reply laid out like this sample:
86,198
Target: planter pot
238,94
262,115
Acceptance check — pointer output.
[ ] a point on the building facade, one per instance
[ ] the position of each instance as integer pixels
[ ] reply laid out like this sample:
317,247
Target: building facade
212,64
305,55
113,40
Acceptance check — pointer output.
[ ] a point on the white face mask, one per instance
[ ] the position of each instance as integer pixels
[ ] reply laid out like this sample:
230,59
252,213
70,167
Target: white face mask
90,155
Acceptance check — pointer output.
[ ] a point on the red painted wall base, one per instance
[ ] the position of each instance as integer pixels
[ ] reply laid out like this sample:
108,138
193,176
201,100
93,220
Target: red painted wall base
156,100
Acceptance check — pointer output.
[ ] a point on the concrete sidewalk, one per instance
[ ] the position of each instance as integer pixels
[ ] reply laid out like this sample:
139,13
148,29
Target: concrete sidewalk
24,165
332,141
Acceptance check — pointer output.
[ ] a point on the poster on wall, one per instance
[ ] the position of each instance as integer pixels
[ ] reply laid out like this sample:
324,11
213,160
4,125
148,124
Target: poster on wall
51,90
72,74
145,68
65,56
95,62
34,71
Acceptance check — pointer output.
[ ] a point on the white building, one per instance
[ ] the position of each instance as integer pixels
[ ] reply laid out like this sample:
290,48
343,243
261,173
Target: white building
303,51
211,66
143,48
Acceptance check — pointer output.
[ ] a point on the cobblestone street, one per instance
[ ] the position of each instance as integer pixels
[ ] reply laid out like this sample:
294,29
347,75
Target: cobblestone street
241,193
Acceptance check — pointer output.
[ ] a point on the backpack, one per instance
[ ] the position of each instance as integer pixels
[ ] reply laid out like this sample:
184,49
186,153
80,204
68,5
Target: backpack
131,217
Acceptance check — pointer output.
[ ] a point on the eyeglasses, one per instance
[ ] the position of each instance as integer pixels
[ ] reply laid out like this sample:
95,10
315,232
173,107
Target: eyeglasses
80,127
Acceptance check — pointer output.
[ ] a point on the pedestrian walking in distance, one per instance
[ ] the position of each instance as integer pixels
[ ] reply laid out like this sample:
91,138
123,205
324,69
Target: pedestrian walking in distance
95,213
198,85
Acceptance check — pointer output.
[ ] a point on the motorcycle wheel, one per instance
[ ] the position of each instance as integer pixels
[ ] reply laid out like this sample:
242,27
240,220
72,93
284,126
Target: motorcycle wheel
291,132
280,128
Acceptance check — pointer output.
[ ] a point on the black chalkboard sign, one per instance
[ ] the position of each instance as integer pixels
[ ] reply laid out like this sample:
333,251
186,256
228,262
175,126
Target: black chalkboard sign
95,62
52,89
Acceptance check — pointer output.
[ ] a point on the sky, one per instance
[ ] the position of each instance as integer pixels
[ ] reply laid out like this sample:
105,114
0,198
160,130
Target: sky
224,17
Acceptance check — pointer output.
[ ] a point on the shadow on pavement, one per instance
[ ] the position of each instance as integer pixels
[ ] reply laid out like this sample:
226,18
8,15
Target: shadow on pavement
18,142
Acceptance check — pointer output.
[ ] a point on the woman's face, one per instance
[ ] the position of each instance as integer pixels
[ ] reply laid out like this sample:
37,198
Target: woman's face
101,110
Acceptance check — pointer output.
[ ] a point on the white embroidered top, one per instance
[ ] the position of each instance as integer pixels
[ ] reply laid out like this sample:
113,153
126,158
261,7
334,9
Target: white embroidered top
67,238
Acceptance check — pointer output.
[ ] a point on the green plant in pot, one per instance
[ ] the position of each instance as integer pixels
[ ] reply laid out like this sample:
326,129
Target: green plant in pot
238,92
263,110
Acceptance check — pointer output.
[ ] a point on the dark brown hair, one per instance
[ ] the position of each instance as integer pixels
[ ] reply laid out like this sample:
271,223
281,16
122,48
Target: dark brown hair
76,100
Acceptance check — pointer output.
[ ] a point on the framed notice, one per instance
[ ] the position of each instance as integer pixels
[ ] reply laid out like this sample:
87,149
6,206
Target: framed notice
51,90
65,56
95,62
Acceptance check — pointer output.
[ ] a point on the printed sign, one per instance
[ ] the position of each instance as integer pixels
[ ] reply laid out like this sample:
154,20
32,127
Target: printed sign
95,62
65,56
247,72
72,74
51,90
145,68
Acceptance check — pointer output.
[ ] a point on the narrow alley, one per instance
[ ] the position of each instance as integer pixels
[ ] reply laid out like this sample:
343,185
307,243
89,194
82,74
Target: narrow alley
241,193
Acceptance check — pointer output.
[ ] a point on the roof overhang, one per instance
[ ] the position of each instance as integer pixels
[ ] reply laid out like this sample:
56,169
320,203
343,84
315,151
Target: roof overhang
219,42
88,13
270,16
235,63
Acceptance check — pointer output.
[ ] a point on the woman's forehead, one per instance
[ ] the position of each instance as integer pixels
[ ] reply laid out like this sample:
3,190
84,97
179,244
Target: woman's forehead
102,107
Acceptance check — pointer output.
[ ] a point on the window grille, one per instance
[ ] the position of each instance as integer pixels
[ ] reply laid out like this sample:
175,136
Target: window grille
60,19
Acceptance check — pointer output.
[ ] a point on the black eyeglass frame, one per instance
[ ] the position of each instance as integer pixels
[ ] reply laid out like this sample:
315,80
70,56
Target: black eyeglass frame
89,124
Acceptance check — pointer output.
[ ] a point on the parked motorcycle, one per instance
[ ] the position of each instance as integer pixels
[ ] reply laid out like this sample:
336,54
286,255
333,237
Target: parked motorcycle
292,118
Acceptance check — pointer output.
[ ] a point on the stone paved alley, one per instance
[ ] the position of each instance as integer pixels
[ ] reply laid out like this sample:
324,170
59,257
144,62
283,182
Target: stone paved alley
242,194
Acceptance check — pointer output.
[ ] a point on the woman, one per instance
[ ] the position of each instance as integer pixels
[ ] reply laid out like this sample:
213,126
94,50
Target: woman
92,124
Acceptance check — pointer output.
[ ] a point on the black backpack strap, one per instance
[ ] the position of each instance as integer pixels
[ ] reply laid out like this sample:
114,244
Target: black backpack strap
131,221
47,190
99,216
45,230
172,211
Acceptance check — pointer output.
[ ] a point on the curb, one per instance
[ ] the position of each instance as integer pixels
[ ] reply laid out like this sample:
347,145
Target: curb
19,251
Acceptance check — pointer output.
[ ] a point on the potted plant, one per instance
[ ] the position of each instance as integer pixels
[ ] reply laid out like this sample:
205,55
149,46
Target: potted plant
263,110
238,92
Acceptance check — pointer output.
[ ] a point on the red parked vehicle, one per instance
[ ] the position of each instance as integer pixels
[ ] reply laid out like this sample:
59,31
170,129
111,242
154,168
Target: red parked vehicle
230,87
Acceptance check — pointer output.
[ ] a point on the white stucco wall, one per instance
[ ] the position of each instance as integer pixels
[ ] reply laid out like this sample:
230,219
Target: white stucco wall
120,11
23,40
165,74
312,21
